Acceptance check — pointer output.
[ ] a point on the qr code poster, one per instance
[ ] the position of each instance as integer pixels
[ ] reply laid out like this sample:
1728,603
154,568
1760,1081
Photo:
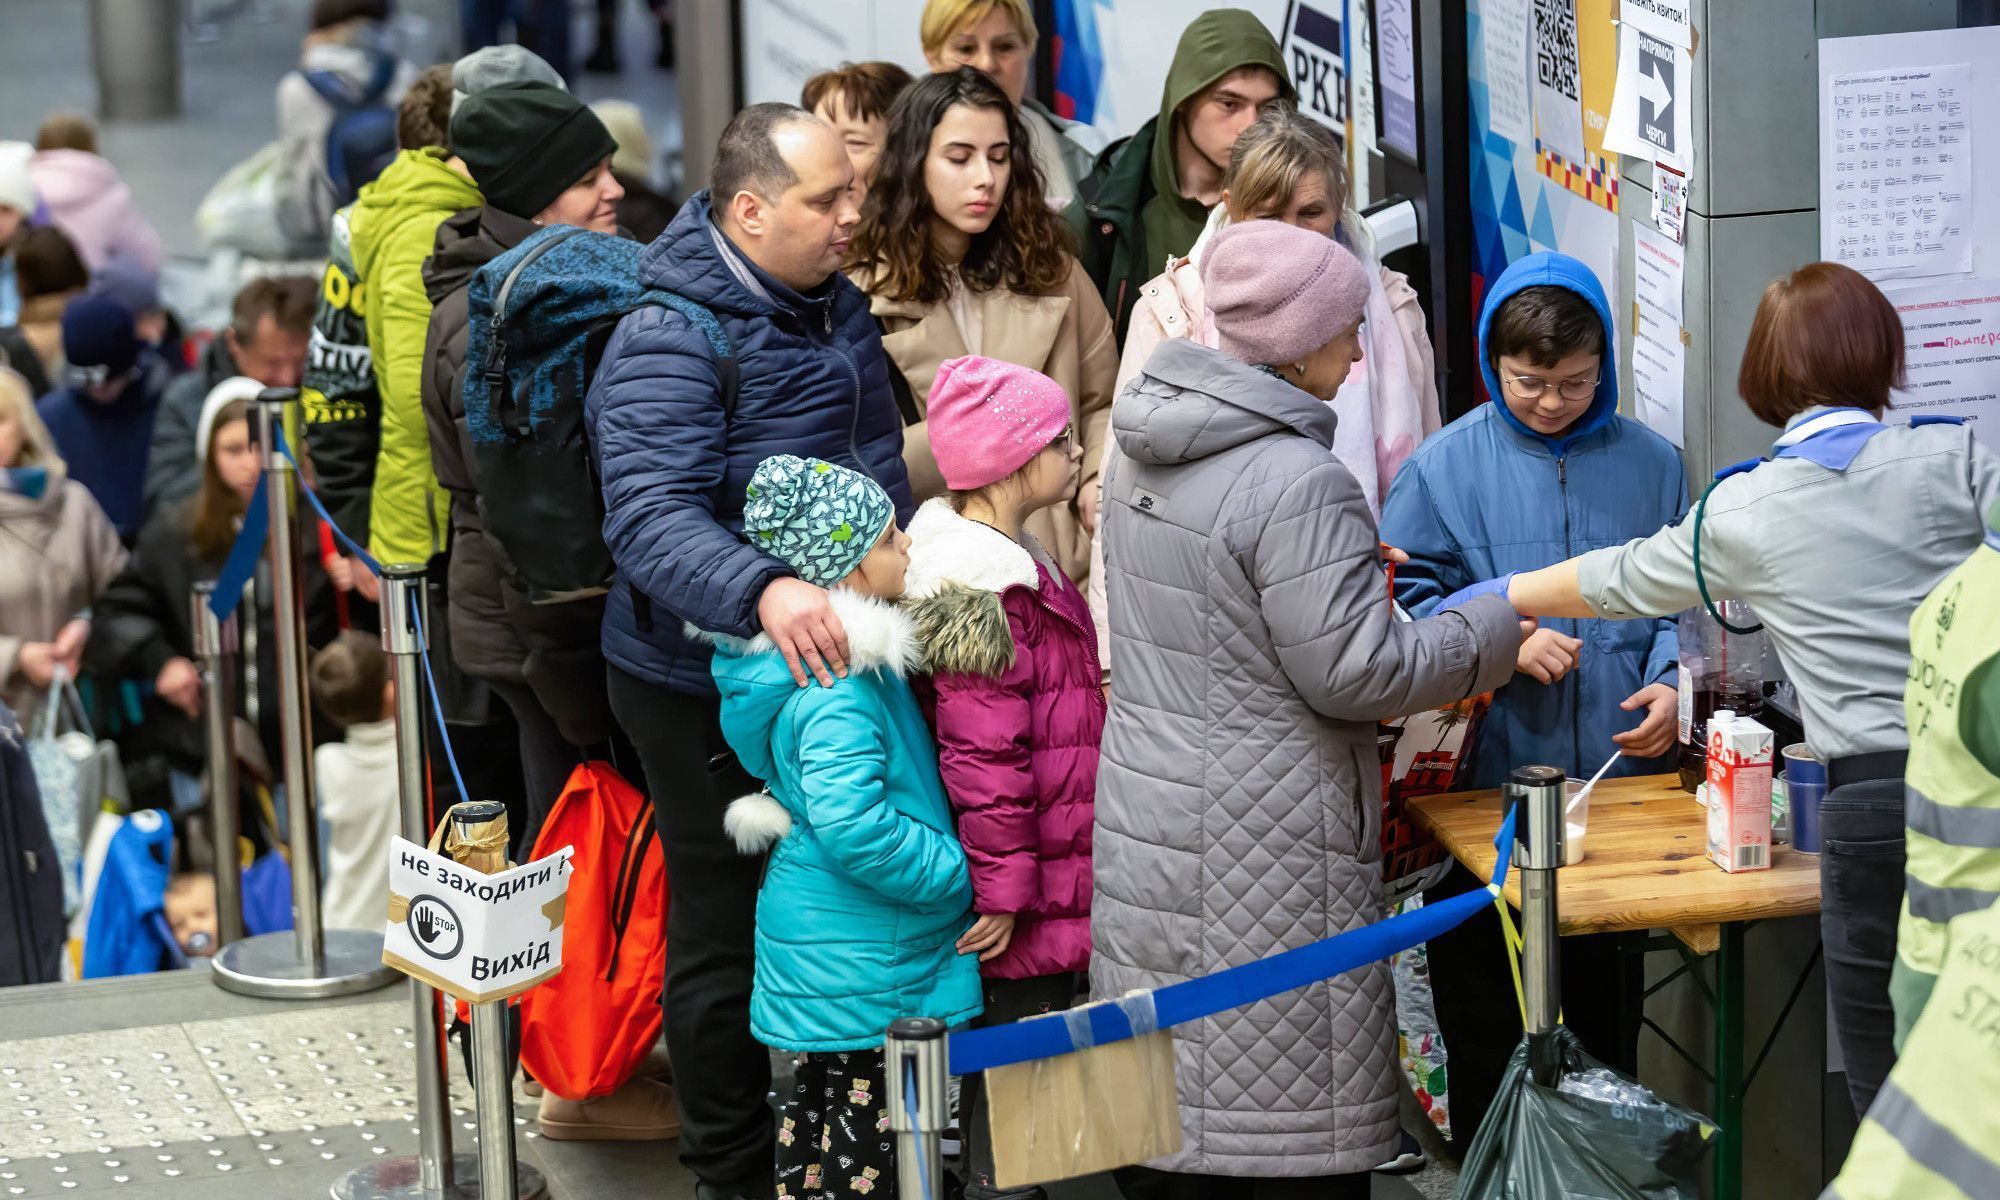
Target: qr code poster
1558,80
1315,55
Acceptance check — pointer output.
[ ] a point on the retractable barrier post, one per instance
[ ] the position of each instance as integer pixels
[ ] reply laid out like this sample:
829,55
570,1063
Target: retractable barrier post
436,1173
914,1060
1538,854
215,645
481,846
307,961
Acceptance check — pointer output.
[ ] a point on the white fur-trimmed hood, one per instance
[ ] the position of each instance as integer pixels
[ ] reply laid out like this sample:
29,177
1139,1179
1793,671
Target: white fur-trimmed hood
947,549
879,636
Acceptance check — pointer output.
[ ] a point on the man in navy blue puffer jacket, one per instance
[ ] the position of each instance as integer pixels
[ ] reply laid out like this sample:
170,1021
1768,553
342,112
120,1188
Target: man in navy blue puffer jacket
761,251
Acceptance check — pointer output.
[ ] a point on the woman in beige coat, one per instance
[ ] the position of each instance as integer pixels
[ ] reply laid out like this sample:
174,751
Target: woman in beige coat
960,255
57,553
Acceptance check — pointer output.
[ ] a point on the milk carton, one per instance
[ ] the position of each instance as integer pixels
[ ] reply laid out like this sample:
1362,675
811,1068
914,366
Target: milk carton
1739,793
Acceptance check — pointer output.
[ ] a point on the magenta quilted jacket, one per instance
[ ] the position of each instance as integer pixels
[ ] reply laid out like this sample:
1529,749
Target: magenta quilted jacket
1014,699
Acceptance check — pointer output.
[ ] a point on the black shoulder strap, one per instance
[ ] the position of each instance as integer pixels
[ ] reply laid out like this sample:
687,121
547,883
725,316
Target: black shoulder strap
906,400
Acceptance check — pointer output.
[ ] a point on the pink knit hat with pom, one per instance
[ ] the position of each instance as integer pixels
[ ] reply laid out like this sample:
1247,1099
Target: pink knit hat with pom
988,419
1278,292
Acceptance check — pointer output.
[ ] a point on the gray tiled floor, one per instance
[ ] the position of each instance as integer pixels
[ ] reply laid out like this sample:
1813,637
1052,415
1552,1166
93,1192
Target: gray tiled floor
165,1087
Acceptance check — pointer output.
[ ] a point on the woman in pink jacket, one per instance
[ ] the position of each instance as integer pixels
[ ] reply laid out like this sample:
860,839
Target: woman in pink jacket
88,200
1013,692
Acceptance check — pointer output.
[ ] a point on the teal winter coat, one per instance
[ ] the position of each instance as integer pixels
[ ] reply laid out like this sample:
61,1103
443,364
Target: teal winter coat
866,891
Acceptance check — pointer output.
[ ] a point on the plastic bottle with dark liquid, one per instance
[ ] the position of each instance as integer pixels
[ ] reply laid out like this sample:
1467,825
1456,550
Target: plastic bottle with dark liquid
1718,670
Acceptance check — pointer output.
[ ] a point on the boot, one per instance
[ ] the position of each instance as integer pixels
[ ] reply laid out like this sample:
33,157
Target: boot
641,1111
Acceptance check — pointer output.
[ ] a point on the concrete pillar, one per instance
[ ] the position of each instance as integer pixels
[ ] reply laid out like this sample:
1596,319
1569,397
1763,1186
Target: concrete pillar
708,79
136,51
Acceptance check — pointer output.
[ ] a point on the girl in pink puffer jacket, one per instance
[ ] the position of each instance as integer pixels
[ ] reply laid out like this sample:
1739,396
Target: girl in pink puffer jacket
1012,690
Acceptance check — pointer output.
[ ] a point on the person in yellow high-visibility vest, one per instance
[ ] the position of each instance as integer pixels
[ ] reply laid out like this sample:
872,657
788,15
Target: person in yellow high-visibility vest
1934,1129
1933,1132
1952,803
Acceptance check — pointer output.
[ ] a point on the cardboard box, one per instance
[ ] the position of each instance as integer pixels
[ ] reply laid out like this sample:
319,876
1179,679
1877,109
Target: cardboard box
1084,1112
1740,752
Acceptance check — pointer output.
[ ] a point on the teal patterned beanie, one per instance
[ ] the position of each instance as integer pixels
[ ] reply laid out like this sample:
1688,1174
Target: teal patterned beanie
820,518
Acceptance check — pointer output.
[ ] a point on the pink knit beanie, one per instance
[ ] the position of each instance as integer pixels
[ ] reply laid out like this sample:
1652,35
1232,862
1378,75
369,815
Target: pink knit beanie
988,419
1278,292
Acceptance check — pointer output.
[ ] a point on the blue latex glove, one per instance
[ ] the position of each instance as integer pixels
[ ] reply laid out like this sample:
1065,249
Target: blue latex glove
1485,587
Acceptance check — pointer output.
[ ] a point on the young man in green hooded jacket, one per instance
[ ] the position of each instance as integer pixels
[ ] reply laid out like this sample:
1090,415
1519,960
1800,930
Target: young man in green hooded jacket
1149,195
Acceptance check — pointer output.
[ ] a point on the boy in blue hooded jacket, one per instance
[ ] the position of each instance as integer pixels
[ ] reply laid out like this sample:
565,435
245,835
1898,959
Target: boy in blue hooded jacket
1547,471
866,898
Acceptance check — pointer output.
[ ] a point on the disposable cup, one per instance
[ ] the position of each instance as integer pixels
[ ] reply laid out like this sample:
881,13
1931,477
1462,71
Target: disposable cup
1576,820
1805,787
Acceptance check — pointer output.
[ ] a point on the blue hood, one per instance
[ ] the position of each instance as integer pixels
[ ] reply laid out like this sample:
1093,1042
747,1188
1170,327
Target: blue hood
1547,269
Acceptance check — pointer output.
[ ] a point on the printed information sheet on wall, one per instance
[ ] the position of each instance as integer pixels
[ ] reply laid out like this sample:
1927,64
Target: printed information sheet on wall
1658,270
1951,335
1896,171
1659,358
1510,104
1659,368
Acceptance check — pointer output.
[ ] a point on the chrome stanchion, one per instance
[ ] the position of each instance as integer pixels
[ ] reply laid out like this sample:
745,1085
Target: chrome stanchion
1538,854
435,1173
307,961
215,646
484,823
914,1050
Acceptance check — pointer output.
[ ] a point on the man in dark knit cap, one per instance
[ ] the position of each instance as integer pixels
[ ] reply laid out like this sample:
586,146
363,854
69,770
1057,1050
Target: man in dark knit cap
539,157
102,419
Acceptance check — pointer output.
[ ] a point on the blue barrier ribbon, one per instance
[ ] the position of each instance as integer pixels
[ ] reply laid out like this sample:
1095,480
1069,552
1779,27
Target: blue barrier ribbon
249,547
1060,1033
243,555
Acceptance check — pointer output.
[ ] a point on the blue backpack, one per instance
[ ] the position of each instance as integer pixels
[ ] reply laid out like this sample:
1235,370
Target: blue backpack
538,320
361,141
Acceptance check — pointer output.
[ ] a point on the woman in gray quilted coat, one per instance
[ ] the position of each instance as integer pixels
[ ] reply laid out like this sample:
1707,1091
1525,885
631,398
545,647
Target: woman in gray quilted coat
1239,794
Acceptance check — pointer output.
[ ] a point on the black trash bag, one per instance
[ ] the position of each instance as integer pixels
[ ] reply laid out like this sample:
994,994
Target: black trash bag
1595,1136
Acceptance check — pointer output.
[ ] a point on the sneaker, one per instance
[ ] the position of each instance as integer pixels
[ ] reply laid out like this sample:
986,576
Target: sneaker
1408,1160
951,1143
641,1111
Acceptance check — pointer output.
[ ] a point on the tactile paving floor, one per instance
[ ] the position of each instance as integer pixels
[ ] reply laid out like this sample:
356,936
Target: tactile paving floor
227,1097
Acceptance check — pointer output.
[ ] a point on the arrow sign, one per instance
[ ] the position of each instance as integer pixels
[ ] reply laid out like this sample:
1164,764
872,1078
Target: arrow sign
1656,93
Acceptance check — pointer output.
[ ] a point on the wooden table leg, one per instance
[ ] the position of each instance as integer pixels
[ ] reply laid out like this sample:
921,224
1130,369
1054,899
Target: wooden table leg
1729,1081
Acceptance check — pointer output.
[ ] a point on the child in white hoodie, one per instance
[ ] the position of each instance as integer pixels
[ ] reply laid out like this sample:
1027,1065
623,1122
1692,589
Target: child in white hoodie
355,778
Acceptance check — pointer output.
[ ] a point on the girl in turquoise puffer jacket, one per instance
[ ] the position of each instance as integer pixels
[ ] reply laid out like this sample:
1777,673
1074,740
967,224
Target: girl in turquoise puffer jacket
866,892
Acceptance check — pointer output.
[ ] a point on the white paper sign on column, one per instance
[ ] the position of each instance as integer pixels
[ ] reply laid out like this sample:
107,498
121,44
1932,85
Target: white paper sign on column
1510,101
1670,202
1951,338
475,937
1895,160
1658,272
1667,20
1659,368
1650,103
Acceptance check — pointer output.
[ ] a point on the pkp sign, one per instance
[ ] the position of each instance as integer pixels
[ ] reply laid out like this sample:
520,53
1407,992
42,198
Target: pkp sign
1315,54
